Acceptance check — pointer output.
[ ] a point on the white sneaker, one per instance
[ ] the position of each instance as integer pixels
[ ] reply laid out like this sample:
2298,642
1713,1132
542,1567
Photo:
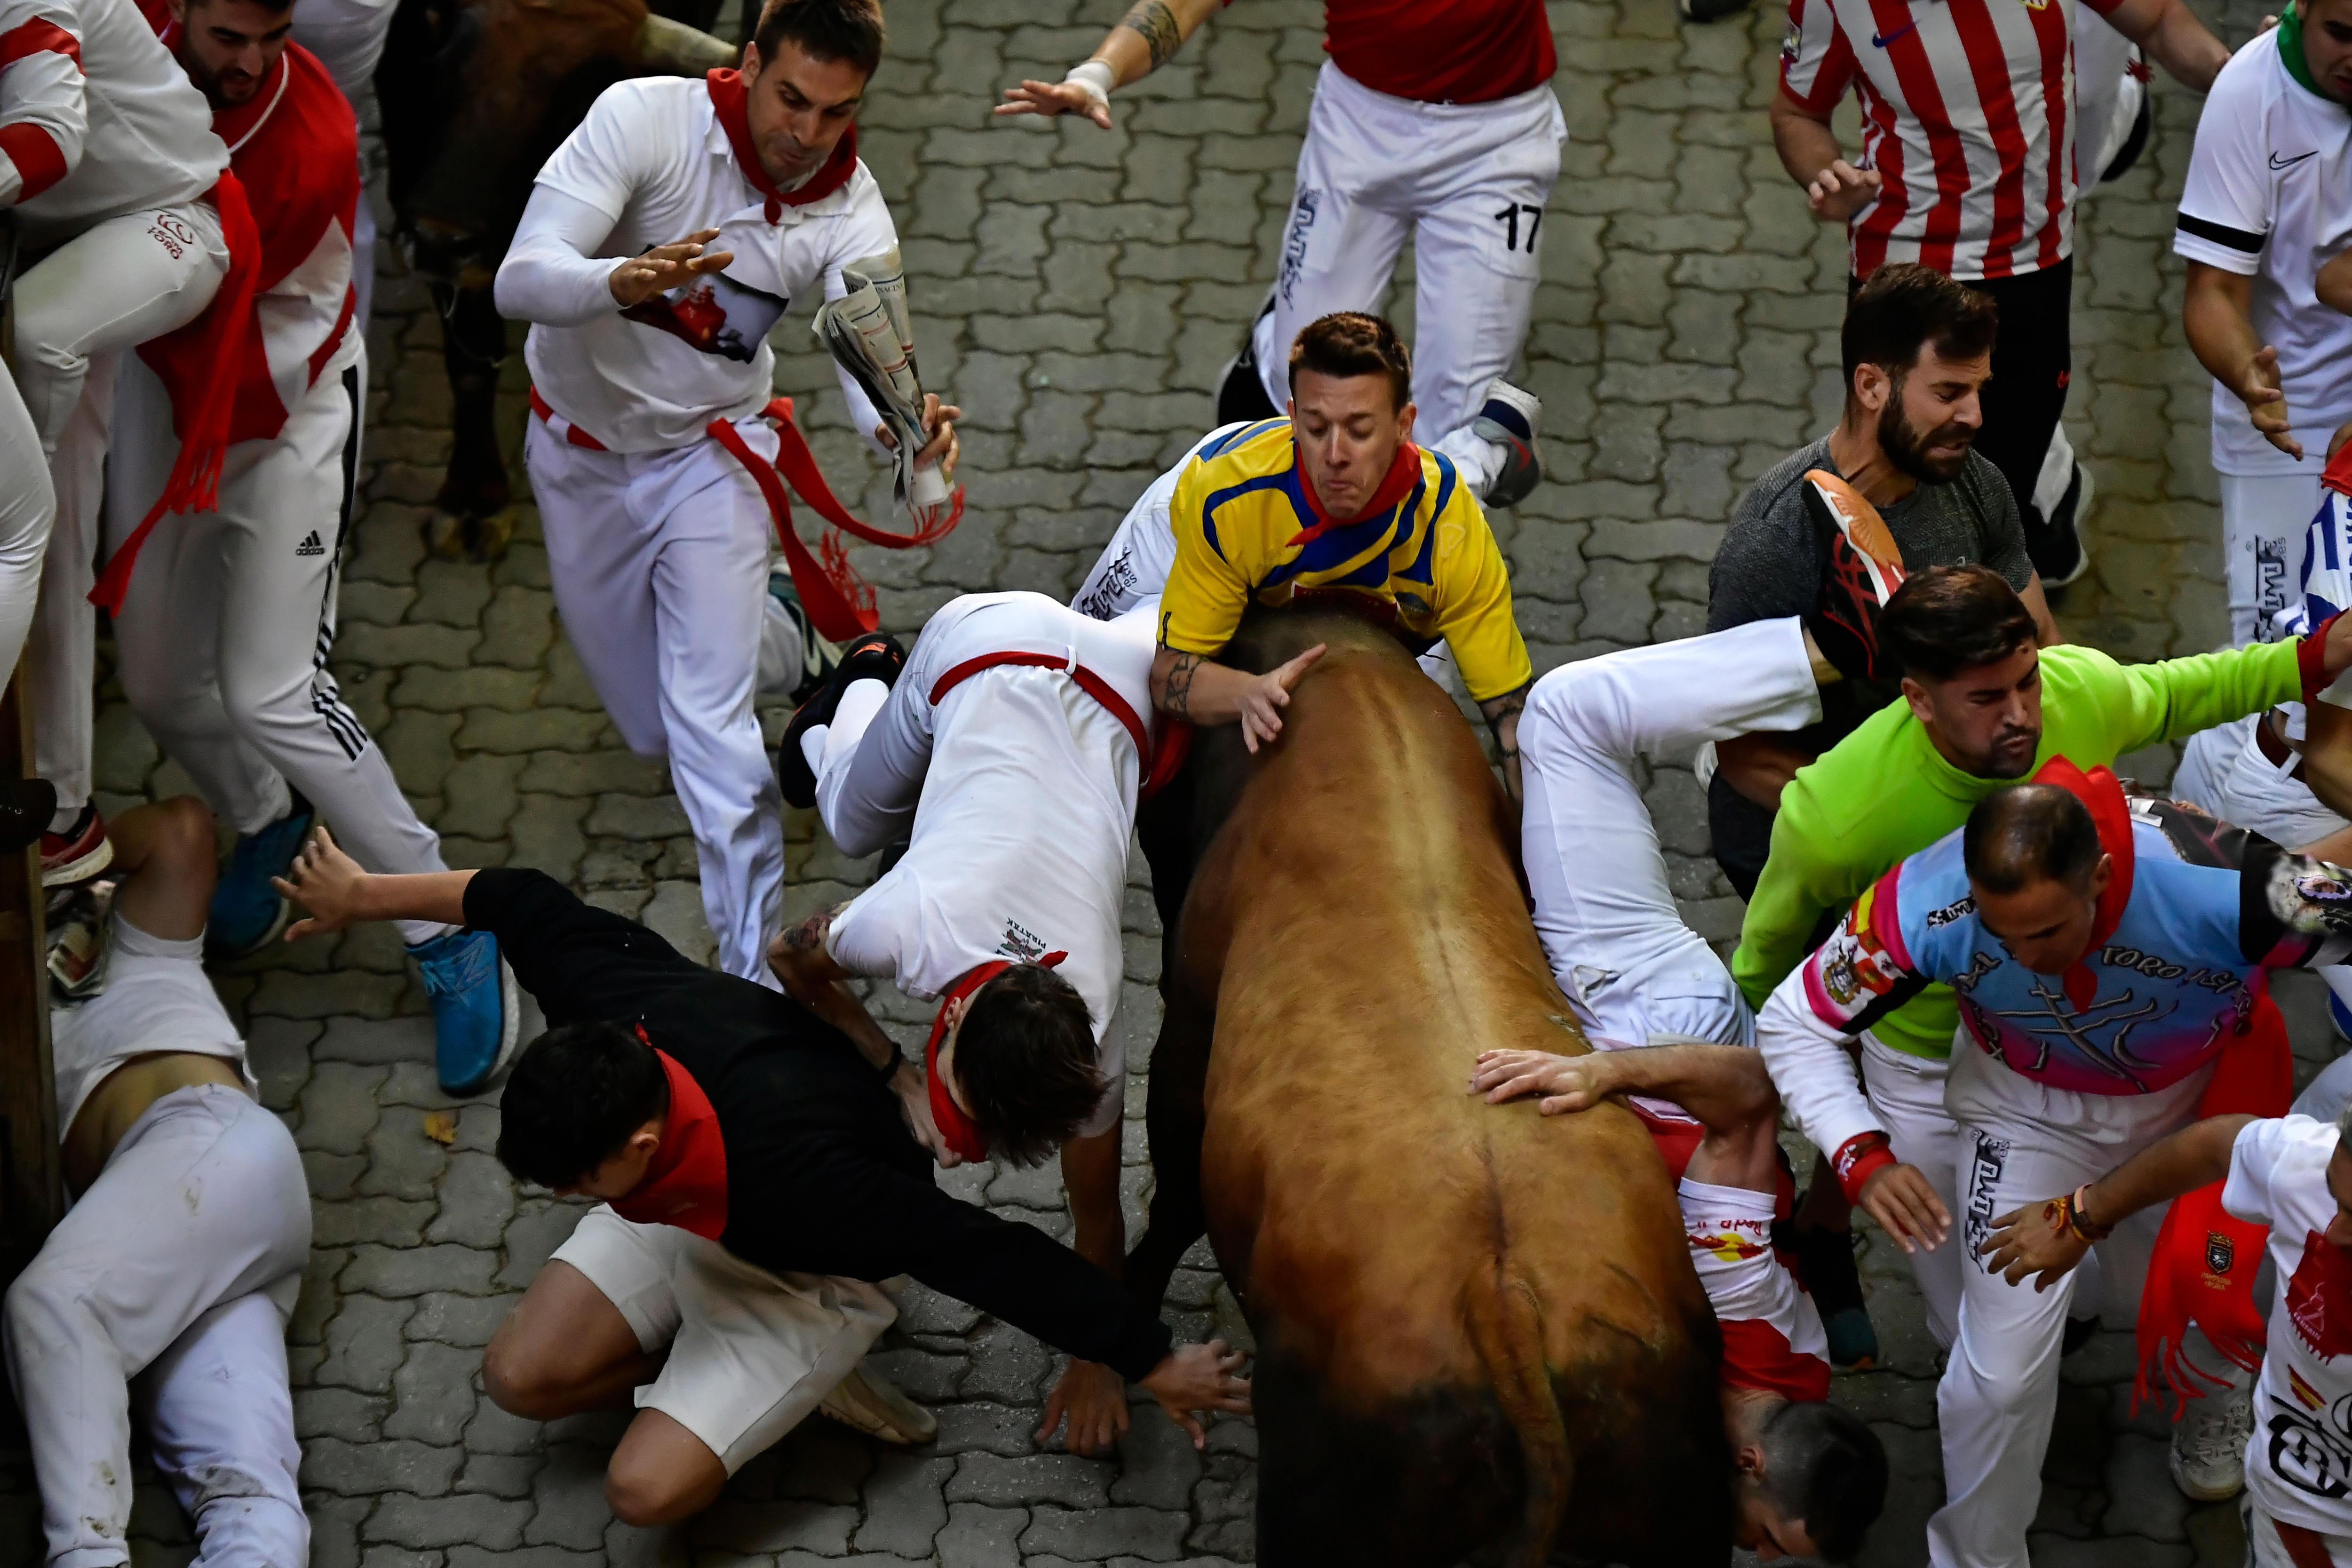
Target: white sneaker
1506,417
867,1402
2209,1445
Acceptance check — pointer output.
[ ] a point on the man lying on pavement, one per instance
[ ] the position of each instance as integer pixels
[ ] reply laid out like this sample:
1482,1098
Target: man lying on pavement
757,1172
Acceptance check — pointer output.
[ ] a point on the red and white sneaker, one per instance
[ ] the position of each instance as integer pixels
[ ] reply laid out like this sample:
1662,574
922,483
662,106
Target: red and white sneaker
1865,567
78,854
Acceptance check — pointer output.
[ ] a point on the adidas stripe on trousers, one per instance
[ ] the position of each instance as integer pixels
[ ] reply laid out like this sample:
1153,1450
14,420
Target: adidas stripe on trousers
227,625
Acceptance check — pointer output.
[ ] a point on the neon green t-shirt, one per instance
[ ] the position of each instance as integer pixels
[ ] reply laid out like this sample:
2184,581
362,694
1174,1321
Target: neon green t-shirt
1885,791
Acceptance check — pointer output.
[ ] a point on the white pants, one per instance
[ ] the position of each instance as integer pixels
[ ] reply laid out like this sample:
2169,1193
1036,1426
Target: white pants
2265,522
178,1269
1468,182
1629,965
2265,1550
1907,1093
660,566
27,508
2024,1141
750,1353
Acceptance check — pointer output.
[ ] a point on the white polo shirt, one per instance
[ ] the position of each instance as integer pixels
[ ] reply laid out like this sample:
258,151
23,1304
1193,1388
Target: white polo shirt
2299,1460
2269,196
653,156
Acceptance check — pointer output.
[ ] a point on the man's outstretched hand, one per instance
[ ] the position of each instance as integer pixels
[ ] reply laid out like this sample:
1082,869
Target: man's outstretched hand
1567,1083
665,267
1094,1398
1192,1378
1052,97
2036,1240
1903,1202
326,882
1267,695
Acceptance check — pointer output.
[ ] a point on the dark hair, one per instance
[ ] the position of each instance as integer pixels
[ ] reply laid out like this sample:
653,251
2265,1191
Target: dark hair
1947,619
848,30
1351,343
574,1096
1824,1467
1024,1058
2030,832
1903,305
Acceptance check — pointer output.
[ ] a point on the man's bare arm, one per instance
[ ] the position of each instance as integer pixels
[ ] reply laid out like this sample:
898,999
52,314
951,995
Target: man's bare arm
1145,38
1759,765
1726,1088
334,893
2037,1239
812,977
1195,688
1501,715
2216,313
2174,38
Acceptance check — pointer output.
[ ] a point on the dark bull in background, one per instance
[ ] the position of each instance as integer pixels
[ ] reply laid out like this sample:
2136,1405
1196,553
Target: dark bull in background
475,95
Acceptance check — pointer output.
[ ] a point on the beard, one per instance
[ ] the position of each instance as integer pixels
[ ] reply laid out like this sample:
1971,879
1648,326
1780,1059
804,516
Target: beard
1907,448
2008,755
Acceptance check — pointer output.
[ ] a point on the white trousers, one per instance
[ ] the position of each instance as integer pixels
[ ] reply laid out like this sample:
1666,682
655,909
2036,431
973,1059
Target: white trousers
28,509
1629,965
226,627
660,566
1907,1093
1468,182
2265,1550
177,1268
2024,1141
2265,522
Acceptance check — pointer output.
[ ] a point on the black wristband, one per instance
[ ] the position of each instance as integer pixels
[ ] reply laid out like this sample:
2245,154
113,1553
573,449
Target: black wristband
890,1070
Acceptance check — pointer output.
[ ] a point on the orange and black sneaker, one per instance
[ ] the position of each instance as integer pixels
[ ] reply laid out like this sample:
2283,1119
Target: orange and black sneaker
78,854
876,656
1865,567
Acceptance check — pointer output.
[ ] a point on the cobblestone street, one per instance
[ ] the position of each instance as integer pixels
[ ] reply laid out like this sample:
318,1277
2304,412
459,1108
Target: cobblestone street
1078,292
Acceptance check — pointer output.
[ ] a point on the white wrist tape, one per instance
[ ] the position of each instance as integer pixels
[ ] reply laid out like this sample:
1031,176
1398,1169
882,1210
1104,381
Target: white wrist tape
1096,79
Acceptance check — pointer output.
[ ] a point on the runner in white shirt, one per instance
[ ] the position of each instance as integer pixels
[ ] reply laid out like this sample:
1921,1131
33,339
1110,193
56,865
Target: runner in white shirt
2292,1175
657,539
2266,206
179,1259
108,160
1968,166
1007,755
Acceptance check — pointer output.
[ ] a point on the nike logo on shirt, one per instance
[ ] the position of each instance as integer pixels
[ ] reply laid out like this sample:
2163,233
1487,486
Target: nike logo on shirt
2279,162
1880,40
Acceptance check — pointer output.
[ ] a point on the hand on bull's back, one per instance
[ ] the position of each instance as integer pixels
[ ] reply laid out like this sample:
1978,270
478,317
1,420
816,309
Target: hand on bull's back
665,267
1567,1083
1194,1378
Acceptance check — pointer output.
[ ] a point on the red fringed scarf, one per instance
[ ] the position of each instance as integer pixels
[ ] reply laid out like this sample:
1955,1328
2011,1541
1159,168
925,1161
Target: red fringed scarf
728,97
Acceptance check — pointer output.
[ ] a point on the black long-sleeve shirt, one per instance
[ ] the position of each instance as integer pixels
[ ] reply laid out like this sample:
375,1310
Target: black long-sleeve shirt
823,1176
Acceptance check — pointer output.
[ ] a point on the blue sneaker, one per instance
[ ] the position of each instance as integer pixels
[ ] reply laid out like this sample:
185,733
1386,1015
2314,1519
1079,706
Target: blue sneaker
475,1008
2339,1015
248,913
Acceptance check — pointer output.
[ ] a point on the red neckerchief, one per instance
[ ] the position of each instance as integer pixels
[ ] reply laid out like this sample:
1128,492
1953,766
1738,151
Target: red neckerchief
2337,475
729,96
1402,472
2099,791
686,1186
959,1131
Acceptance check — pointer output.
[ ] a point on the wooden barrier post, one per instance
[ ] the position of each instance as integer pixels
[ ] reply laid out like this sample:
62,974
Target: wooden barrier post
32,1187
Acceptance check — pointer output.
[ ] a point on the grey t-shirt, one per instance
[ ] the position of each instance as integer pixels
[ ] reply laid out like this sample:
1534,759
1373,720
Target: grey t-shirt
1772,563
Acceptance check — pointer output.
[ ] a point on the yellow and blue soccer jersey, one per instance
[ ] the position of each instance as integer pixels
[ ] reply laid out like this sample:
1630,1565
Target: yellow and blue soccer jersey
1242,522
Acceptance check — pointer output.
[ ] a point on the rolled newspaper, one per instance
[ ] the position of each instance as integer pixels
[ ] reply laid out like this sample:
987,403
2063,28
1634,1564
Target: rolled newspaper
867,334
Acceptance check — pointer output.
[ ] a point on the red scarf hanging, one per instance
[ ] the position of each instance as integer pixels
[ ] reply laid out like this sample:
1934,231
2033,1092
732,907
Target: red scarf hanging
1403,470
729,98
201,366
959,1131
2098,791
686,1186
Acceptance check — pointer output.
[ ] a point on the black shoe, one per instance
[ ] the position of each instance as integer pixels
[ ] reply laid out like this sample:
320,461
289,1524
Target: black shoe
1825,1263
1865,568
876,656
26,807
1241,390
2054,544
1710,10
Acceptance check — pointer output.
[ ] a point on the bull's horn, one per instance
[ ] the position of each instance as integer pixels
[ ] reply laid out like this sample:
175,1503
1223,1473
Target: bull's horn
667,45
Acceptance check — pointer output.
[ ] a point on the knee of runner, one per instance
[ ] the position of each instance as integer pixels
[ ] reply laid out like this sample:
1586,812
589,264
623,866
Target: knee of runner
522,1383
644,1496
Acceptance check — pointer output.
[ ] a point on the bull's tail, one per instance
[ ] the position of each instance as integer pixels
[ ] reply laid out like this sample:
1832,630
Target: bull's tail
1504,1318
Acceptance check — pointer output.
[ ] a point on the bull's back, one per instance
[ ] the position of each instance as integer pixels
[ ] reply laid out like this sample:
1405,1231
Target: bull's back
1457,1305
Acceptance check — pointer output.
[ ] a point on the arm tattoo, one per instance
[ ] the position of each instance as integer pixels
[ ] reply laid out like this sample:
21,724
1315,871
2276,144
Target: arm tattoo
1179,682
1497,709
1157,24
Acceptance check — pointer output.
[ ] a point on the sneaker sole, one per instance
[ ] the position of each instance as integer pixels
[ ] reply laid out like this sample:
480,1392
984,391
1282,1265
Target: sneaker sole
2205,1494
81,868
509,1031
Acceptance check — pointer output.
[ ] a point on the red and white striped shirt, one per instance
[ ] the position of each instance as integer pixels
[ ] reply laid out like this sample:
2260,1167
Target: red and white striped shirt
1967,111
97,118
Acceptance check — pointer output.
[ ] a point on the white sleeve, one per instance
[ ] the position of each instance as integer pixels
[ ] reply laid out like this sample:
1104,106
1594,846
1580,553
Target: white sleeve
2254,1161
865,230
1808,1064
1134,566
2226,205
551,273
863,935
43,115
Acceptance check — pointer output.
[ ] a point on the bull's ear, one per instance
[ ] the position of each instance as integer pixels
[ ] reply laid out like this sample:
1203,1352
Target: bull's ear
663,45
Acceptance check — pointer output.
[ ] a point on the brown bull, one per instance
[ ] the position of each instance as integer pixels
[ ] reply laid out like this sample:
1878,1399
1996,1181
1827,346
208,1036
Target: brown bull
1479,1331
